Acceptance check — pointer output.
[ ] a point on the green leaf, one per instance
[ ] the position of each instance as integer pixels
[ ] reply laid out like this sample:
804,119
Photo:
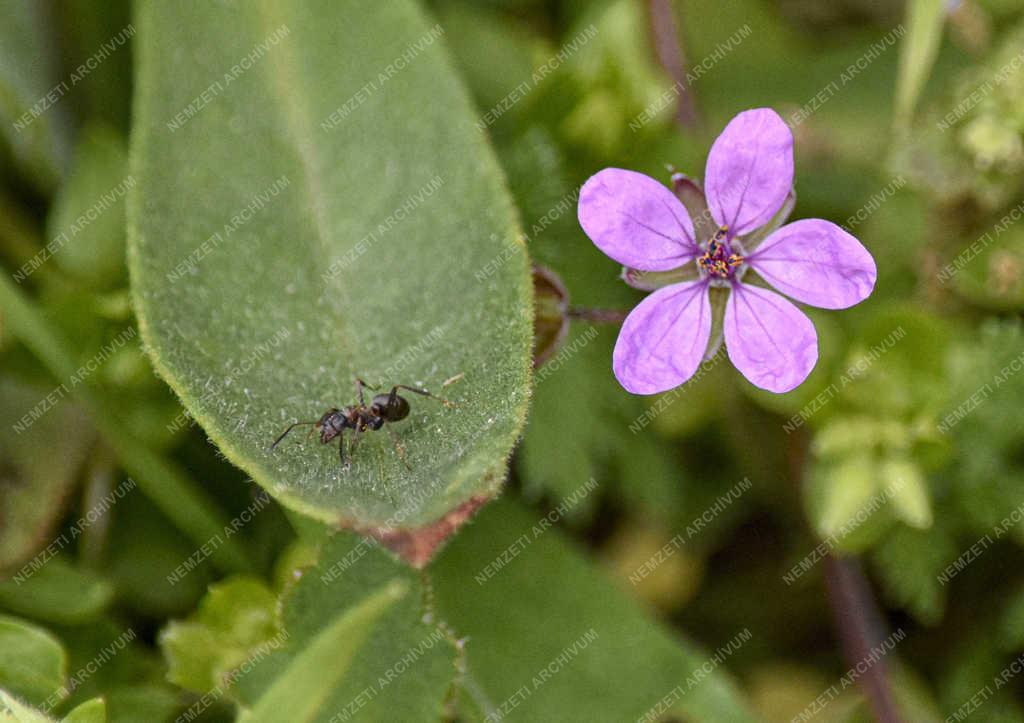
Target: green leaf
909,563
35,487
918,51
236,616
902,478
91,711
608,660
842,496
57,592
88,210
32,122
271,323
309,680
403,669
33,663
143,703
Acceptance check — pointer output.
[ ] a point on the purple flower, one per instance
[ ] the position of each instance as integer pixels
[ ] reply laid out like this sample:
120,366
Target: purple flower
711,242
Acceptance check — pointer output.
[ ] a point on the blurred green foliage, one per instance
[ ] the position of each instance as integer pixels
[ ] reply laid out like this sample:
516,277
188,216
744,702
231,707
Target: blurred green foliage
904,448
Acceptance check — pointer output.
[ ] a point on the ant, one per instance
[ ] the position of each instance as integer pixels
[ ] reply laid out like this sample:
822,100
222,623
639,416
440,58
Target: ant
361,417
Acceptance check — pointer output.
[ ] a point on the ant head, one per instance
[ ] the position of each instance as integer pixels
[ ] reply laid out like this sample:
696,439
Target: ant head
390,410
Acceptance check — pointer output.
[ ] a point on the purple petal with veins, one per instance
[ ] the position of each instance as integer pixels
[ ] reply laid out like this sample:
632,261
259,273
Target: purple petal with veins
749,171
816,262
636,220
662,341
769,340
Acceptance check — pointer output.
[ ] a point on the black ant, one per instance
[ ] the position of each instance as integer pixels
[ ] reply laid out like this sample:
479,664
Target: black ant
361,417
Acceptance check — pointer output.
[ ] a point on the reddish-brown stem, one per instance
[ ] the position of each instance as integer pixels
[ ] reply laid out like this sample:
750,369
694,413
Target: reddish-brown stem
669,49
855,613
598,316
861,628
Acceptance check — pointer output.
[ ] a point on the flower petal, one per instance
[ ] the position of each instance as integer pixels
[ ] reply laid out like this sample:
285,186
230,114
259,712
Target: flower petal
749,170
816,262
663,339
636,220
769,340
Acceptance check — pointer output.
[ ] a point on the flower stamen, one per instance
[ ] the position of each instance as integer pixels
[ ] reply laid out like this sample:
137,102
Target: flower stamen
719,260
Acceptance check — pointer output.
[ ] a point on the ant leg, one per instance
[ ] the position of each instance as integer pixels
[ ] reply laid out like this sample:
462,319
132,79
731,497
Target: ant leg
422,392
346,461
399,447
285,432
359,390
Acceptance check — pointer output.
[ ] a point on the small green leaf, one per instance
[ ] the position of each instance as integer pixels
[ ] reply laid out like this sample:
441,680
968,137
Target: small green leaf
91,711
58,592
909,563
143,703
264,282
33,663
844,494
918,51
88,210
901,477
308,682
236,616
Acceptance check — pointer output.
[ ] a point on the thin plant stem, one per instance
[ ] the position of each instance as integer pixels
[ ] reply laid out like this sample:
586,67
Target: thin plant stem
669,48
598,316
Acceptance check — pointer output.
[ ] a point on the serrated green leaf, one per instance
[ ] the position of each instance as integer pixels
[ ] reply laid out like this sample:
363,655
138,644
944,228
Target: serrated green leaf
33,663
303,278
843,495
909,563
237,615
608,660
902,478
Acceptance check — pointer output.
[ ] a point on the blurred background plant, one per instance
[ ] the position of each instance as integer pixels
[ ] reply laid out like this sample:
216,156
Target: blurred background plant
902,456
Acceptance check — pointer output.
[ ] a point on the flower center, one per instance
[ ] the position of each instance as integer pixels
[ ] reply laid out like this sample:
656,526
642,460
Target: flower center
719,261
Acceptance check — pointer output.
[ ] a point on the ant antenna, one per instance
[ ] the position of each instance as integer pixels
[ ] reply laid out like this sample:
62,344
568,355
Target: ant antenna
285,432
425,393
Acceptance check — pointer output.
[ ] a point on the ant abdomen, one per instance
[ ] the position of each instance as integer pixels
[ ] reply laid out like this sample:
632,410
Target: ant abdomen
393,407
